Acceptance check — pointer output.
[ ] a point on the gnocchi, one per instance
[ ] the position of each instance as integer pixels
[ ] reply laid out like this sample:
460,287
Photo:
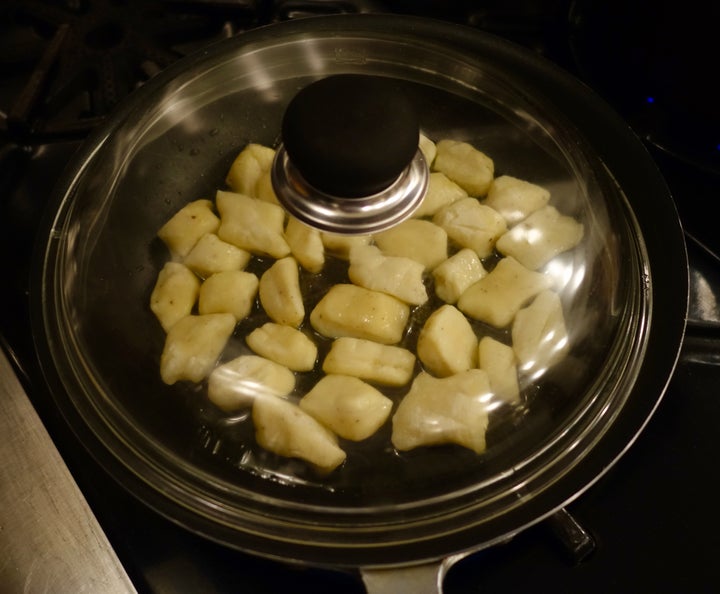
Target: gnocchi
193,346
515,199
187,226
498,360
347,405
285,345
417,239
239,382
249,169
444,410
471,257
497,297
231,291
456,274
539,336
174,294
539,238
283,428
368,360
447,343
468,167
349,310
471,224
305,244
251,224
398,276
211,254
341,245
442,191
280,294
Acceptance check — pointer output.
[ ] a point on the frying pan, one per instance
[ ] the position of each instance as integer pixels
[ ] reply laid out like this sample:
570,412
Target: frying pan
387,512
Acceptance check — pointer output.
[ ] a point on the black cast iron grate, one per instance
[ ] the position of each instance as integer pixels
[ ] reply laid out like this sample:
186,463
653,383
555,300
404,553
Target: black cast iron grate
71,62
65,65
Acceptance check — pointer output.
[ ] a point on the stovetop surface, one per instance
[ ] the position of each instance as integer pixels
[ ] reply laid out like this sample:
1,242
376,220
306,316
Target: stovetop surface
653,517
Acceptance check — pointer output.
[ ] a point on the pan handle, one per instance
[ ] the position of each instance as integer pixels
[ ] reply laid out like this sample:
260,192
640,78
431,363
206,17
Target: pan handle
418,579
428,578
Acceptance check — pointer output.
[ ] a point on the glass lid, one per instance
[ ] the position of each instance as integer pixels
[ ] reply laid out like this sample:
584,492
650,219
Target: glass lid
289,383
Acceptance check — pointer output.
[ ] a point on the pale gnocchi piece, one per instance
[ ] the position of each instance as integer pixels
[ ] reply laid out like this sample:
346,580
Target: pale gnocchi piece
398,276
371,361
441,192
183,230
211,254
539,336
499,362
280,294
251,224
349,310
515,199
264,189
497,297
236,385
285,345
193,346
471,224
456,274
428,149
416,239
447,343
248,167
468,167
175,293
306,245
230,291
283,428
539,238
347,406
444,410
341,245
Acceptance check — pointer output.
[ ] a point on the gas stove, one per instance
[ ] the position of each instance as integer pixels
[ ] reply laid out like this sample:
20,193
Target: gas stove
650,524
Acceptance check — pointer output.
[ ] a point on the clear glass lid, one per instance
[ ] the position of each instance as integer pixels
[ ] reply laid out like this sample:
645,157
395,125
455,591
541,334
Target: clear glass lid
266,376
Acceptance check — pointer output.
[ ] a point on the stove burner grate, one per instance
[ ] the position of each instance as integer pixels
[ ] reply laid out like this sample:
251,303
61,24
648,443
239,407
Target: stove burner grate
84,58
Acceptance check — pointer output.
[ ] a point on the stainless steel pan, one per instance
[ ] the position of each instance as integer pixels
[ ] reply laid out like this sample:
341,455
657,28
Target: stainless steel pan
173,141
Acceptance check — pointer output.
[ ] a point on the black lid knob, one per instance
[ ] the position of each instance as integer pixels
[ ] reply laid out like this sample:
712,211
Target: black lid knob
351,135
350,160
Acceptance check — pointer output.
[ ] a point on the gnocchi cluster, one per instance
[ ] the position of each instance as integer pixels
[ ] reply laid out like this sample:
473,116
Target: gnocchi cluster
450,380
